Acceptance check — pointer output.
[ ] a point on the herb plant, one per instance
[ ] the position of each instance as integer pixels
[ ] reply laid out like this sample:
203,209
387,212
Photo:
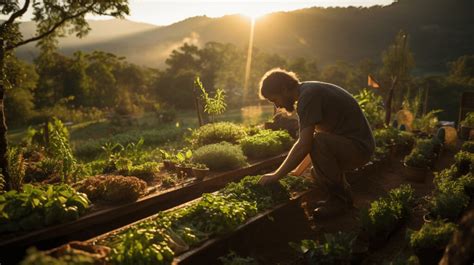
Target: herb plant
221,156
266,143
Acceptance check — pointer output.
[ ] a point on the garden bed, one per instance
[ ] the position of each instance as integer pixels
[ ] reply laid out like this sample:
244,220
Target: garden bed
100,221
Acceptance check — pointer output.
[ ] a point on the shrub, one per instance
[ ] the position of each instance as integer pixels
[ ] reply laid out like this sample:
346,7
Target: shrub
464,162
266,143
449,199
385,214
218,132
423,154
469,120
434,235
334,249
468,146
221,156
113,188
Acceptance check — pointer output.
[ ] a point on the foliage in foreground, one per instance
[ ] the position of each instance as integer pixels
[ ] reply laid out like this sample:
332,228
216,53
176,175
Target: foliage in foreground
156,240
36,207
434,235
386,213
334,249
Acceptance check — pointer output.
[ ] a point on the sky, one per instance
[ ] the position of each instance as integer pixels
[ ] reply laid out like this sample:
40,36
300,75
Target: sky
165,12
162,12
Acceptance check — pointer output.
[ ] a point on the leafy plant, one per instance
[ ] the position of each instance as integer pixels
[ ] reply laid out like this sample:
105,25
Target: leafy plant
423,154
37,207
448,200
468,120
334,249
266,143
142,246
16,167
372,106
217,132
468,146
113,188
433,235
385,214
427,123
221,156
464,162
157,240
59,149
213,105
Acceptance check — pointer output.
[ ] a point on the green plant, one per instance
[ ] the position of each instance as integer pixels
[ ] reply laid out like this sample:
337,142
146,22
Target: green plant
221,156
16,167
334,249
59,149
266,143
213,105
464,162
141,246
385,214
434,235
468,120
36,207
372,106
427,123
217,132
448,200
113,188
423,154
176,230
468,146
146,171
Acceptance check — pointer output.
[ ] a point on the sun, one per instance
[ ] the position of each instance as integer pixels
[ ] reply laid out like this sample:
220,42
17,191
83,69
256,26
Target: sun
254,12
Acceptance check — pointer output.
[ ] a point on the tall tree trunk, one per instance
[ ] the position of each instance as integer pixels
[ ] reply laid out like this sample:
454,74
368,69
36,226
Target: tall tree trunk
3,125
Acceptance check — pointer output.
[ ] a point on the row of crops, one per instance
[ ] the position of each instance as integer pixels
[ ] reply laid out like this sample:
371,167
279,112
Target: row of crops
443,207
158,239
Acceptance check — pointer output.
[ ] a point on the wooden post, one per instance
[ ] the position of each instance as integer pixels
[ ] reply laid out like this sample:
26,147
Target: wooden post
425,103
3,125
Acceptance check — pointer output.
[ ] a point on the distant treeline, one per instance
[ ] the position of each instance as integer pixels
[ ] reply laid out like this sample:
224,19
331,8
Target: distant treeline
87,86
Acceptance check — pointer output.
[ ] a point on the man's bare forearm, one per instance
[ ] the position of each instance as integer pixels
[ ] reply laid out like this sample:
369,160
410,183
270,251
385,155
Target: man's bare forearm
294,158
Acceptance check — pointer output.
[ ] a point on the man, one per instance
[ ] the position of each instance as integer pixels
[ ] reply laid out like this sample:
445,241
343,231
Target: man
332,130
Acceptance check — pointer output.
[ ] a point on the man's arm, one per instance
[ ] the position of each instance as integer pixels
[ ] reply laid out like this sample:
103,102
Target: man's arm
298,152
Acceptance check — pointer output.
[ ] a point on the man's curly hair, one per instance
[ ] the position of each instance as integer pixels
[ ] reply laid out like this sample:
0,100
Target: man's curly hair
275,80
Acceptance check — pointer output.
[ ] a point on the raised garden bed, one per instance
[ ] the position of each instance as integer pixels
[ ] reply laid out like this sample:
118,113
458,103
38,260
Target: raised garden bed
189,229
115,216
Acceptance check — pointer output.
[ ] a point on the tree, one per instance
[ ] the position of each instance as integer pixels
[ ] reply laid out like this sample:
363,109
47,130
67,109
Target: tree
53,19
398,62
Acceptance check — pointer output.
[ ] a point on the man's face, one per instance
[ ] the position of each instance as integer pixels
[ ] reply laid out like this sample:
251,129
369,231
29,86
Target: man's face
283,101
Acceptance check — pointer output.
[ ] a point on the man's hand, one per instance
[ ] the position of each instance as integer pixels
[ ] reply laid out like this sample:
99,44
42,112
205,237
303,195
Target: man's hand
268,179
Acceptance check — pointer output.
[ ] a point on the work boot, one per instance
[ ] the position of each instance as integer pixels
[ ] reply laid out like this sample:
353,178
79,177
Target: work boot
333,207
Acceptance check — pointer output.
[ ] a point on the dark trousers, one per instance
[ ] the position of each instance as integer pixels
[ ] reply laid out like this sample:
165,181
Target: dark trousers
331,156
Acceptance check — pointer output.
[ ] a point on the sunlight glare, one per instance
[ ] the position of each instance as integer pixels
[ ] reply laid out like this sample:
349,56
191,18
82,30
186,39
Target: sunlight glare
255,12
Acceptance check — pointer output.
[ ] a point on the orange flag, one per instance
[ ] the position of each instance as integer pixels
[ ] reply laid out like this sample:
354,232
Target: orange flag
372,83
